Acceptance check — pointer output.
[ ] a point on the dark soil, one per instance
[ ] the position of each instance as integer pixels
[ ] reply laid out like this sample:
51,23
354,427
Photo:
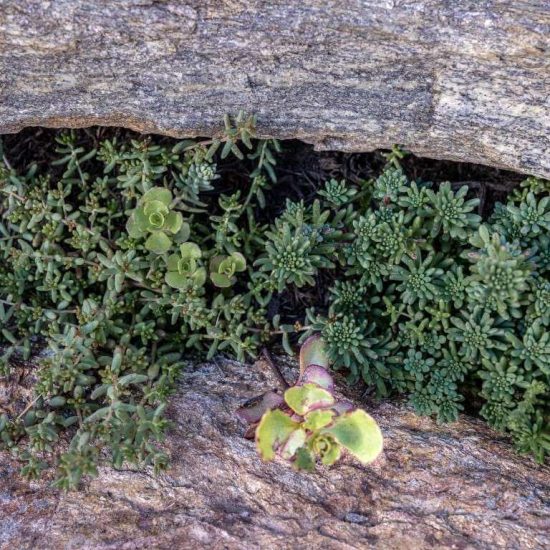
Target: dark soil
300,169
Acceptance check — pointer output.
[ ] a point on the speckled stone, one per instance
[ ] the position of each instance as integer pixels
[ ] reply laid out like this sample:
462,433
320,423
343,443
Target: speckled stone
457,486
460,80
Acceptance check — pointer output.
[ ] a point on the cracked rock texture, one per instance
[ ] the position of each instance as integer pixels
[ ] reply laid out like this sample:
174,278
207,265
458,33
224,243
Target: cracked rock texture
454,486
467,80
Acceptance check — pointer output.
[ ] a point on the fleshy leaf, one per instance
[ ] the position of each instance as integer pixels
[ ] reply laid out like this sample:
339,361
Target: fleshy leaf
172,262
175,279
215,263
293,443
359,433
332,455
273,430
313,352
199,277
220,280
183,234
315,420
132,228
325,446
173,222
306,398
158,242
304,460
160,194
190,250
154,207
239,261
140,218
253,410
315,374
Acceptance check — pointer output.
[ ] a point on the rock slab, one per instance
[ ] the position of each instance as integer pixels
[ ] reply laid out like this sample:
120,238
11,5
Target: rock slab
455,486
467,81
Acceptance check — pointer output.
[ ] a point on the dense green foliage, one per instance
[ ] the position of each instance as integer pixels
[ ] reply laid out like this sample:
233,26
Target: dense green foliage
131,256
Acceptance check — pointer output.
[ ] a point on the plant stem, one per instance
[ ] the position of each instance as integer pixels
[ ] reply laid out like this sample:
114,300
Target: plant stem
269,360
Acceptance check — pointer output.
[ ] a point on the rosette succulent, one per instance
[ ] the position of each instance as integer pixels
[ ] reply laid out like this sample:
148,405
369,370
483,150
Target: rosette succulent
153,218
307,423
183,267
223,269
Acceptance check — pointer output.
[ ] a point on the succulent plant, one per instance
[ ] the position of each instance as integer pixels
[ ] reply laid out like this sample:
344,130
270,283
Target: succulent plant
183,267
223,269
307,423
154,218
424,299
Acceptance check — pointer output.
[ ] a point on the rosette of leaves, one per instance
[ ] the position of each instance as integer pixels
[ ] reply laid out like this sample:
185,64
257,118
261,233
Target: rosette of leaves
307,423
531,215
337,193
223,269
184,267
451,213
388,185
153,218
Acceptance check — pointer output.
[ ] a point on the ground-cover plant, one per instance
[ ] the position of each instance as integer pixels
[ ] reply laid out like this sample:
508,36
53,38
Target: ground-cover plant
125,257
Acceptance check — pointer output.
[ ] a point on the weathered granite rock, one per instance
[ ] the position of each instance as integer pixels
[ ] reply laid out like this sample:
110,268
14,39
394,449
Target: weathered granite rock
466,80
455,486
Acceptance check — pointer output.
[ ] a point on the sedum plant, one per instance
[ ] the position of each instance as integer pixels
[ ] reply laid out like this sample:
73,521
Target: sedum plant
153,218
183,268
123,256
308,423
224,268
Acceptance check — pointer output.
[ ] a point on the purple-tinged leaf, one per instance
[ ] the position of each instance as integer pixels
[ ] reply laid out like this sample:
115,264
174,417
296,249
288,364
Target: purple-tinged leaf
306,398
253,410
316,374
313,352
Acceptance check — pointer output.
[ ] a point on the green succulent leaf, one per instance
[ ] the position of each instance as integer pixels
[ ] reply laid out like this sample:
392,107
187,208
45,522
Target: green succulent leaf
190,251
296,440
326,447
158,194
158,242
221,281
359,433
306,398
133,228
274,429
173,222
304,460
317,419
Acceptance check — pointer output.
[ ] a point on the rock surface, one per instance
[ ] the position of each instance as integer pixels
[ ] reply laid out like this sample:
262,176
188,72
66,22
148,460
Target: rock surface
463,80
454,486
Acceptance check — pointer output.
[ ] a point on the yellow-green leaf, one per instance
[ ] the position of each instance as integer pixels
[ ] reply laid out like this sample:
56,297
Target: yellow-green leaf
158,242
306,398
296,440
359,433
160,194
315,420
273,430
